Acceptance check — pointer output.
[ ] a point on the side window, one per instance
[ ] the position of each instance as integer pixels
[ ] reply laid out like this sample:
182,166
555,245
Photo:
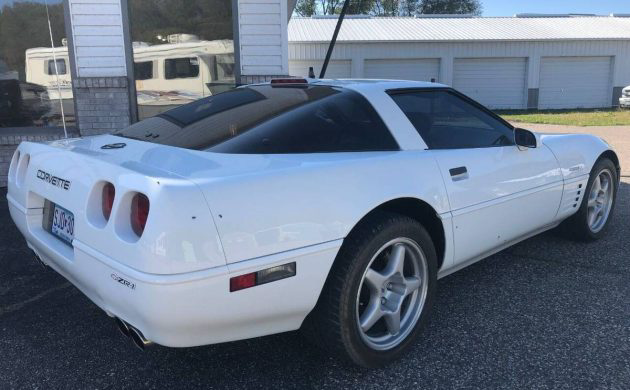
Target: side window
447,121
181,68
61,66
143,70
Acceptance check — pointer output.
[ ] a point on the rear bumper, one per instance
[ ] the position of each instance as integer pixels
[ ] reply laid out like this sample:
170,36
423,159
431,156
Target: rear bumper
624,102
188,309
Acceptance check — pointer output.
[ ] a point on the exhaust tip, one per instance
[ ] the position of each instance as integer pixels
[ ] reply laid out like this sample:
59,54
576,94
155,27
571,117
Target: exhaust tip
138,338
134,334
39,259
122,327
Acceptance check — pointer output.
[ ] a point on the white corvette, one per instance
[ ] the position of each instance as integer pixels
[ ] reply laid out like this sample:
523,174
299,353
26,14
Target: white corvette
331,206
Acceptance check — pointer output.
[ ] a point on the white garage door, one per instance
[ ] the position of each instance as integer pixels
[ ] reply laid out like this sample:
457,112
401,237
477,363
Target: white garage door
575,82
337,69
493,82
418,69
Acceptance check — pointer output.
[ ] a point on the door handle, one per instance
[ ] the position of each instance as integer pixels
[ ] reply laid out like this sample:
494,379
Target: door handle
459,173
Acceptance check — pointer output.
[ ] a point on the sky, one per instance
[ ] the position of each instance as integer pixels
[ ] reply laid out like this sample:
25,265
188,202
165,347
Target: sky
511,7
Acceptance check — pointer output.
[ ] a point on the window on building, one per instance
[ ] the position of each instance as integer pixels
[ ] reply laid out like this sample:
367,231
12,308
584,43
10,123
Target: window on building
61,67
446,120
191,44
32,92
181,68
143,70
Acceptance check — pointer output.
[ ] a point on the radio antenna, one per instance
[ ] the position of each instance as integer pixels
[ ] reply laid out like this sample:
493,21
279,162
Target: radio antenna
334,38
52,46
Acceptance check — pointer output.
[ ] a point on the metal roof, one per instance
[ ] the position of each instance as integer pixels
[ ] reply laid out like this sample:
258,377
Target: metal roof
360,29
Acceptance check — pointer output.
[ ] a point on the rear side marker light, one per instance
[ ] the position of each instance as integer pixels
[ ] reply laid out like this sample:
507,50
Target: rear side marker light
267,275
139,213
109,193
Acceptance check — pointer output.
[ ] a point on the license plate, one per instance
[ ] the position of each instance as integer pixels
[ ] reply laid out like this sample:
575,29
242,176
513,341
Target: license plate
62,223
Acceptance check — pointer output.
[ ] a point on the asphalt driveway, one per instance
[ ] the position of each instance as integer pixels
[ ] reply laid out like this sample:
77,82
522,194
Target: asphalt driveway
546,313
617,136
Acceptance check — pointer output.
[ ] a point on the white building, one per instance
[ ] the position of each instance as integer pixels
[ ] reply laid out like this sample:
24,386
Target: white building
514,62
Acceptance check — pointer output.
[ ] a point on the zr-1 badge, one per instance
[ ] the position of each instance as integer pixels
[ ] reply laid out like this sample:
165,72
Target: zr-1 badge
124,281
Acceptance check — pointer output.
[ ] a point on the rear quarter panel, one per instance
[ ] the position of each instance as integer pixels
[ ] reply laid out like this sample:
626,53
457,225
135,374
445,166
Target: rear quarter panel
293,201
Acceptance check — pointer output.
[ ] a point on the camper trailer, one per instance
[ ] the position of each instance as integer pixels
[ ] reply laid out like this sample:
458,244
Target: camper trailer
167,75
50,71
178,72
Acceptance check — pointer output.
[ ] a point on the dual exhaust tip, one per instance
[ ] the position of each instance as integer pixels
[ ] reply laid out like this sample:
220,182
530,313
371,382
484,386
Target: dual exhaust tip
127,330
134,334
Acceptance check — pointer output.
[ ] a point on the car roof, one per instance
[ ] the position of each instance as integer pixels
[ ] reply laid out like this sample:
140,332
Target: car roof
373,84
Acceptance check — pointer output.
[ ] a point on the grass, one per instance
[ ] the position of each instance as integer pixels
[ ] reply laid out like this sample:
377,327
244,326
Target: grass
582,117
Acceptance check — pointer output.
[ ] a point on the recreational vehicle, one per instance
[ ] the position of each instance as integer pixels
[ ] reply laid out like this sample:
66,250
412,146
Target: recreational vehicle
167,75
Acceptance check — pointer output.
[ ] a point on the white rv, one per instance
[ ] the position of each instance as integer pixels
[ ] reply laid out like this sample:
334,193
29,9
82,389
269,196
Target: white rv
167,75
40,69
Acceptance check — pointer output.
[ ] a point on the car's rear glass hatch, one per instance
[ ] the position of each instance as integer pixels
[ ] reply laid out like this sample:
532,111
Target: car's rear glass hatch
270,119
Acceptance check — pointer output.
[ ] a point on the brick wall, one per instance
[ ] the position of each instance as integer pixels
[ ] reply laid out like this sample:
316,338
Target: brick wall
9,142
102,104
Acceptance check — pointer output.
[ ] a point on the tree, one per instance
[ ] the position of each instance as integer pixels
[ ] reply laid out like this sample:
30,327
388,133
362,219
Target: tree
306,7
24,26
389,7
473,7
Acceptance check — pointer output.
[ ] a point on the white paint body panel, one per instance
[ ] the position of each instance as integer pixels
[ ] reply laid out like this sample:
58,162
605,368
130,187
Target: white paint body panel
503,185
215,216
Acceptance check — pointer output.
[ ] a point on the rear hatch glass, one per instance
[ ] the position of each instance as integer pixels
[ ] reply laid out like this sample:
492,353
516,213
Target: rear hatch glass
270,119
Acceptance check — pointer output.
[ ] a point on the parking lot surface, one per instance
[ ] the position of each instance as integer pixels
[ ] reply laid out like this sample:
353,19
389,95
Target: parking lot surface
545,313
617,136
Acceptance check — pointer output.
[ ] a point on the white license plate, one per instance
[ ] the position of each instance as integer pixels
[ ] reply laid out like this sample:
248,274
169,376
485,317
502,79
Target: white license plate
62,224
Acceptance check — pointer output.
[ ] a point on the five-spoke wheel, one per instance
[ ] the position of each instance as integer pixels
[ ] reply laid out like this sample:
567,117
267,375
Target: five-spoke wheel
595,212
392,293
379,292
600,200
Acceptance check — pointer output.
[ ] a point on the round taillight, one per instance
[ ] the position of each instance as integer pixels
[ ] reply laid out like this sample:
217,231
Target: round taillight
139,213
109,193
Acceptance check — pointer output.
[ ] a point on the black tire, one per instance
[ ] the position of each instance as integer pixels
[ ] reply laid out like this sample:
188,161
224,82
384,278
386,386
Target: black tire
576,227
333,323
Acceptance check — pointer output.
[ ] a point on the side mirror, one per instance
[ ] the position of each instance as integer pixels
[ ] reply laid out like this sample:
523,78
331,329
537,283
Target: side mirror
524,138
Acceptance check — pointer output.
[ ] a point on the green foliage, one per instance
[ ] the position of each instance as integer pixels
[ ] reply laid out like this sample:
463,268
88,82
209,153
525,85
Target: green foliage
209,19
584,117
450,7
306,7
389,7
24,26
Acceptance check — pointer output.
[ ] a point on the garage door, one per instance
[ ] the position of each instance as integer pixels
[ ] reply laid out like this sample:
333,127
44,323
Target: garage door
337,69
418,69
574,82
494,82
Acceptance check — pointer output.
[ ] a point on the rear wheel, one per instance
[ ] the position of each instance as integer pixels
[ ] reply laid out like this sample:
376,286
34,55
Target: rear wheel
379,292
593,217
